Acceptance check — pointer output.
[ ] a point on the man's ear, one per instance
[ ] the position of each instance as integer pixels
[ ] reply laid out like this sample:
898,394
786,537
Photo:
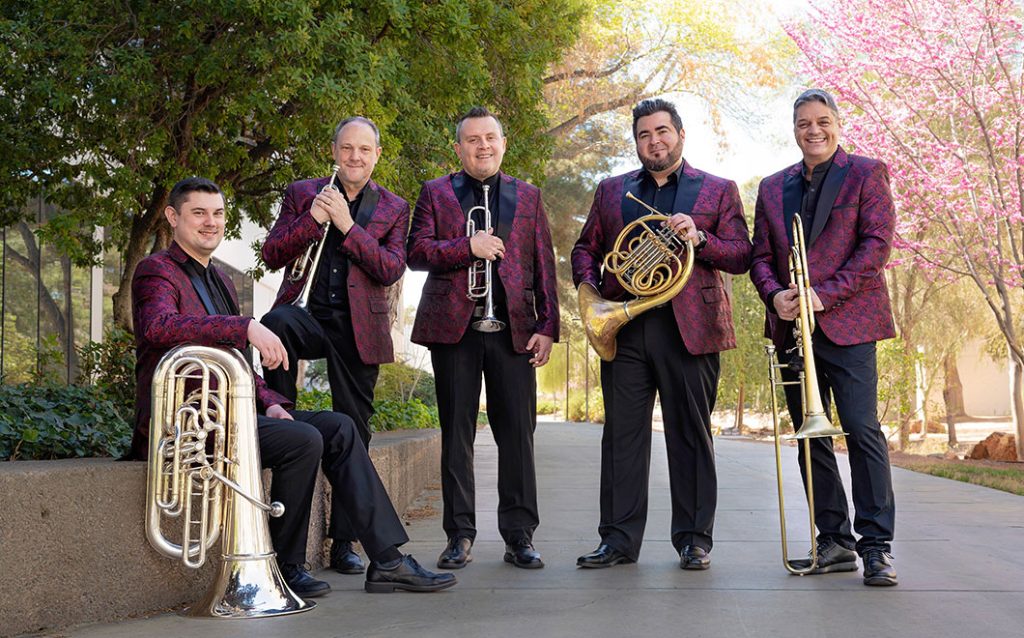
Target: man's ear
172,216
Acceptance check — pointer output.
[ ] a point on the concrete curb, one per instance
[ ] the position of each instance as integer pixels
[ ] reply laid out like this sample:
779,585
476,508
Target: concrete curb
73,548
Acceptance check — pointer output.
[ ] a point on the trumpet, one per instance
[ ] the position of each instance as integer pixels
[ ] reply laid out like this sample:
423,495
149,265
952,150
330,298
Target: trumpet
479,284
310,261
815,423
204,472
654,266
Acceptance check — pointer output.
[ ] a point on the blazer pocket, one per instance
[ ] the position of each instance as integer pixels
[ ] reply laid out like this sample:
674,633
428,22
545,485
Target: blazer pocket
436,286
713,294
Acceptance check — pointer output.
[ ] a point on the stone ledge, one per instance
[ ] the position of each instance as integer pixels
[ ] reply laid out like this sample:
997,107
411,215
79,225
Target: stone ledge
73,547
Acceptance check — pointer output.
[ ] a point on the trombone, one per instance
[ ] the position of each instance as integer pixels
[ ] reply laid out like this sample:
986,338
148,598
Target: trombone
306,265
815,423
479,281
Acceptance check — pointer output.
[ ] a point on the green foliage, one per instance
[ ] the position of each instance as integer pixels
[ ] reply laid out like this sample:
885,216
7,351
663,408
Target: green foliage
389,414
403,415
53,421
110,367
578,407
399,382
105,105
546,406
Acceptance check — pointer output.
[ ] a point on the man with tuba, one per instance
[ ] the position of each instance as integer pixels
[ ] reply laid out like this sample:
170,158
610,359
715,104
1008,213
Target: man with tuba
671,350
490,307
848,218
178,297
339,312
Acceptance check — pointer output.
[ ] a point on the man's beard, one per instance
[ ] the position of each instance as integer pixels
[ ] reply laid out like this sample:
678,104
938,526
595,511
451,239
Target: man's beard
654,166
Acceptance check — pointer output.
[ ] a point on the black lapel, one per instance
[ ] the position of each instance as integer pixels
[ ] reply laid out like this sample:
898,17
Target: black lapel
462,191
829,192
507,196
200,287
367,205
687,191
792,193
631,210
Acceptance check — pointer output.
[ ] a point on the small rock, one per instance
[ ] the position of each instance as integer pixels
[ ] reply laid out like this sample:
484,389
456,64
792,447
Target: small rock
998,446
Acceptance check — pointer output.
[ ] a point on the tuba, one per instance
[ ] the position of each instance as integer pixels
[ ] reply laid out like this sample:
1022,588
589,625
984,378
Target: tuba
204,470
310,260
815,423
480,273
654,266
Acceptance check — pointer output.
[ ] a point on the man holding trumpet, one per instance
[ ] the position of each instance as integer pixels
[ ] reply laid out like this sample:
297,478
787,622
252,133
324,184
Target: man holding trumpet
848,218
342,313
671,350
490,307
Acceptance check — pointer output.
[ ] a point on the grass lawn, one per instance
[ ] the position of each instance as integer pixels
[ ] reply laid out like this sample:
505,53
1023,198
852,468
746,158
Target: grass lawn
1008,477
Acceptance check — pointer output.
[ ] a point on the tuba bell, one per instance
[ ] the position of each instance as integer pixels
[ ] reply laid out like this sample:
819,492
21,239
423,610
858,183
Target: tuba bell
654,266
815,423
204,470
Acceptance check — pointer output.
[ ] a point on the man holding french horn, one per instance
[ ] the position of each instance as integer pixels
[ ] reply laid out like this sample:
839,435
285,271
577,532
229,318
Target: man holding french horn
490,307
342,238
672,347
848,218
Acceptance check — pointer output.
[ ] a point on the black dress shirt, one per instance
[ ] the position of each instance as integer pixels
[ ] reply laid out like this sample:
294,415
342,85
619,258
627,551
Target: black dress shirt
812,191
330,290
471,195
209,283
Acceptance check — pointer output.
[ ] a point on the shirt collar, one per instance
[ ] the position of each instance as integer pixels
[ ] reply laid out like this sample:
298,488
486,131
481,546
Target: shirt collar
673,177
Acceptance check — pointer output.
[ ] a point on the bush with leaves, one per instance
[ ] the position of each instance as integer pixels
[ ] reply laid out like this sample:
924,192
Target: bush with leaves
109,367
389,414
53,421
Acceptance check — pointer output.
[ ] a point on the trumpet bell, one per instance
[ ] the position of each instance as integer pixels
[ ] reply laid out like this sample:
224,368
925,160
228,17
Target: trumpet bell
602,320
816,426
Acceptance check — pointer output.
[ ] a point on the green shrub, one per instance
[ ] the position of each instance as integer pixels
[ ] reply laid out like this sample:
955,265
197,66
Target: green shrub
403,415
109,367
53,422
389,414
546,406
577,407
400,382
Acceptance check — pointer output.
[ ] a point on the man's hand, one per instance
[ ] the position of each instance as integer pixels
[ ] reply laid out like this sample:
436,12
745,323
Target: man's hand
683,224
486,245
787,303
333,202
277,412
540,346
272,352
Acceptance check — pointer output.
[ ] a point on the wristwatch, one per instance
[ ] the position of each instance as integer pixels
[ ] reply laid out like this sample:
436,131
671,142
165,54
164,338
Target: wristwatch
702,241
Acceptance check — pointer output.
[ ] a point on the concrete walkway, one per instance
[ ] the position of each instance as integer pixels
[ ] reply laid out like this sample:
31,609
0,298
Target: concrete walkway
959,553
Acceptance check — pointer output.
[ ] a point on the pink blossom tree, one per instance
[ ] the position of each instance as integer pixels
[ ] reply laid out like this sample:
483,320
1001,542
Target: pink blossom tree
937,92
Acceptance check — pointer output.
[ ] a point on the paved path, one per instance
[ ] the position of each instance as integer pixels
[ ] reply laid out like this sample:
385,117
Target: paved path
959,552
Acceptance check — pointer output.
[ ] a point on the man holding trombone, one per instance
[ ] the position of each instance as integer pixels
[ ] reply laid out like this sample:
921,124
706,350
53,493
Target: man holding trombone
848,219
490,307
342,239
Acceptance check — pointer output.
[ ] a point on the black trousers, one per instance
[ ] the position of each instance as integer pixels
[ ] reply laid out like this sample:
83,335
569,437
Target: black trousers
293,450
849,374
512,414
651,358
327,335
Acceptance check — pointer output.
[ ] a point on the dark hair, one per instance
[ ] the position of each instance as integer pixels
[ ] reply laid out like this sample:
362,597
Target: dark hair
181,190
476,111
654,105
362,120
815,95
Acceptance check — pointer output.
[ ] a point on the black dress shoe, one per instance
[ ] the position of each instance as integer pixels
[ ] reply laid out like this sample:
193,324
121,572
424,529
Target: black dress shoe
344,559
522,554
456,554
405,574
603,556
832,557
878,569
302,582
693,557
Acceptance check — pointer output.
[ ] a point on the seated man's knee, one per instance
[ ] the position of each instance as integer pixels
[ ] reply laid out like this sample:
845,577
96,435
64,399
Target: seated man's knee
339,428
305,439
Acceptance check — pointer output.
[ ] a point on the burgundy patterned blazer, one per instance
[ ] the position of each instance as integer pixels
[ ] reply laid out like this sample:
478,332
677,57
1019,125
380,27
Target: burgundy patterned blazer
375,247
167,312
847,248
702,310
439,245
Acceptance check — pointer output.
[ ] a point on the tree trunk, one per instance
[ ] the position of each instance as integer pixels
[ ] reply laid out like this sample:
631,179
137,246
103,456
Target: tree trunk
952,395
1017,400
144,226
739,410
